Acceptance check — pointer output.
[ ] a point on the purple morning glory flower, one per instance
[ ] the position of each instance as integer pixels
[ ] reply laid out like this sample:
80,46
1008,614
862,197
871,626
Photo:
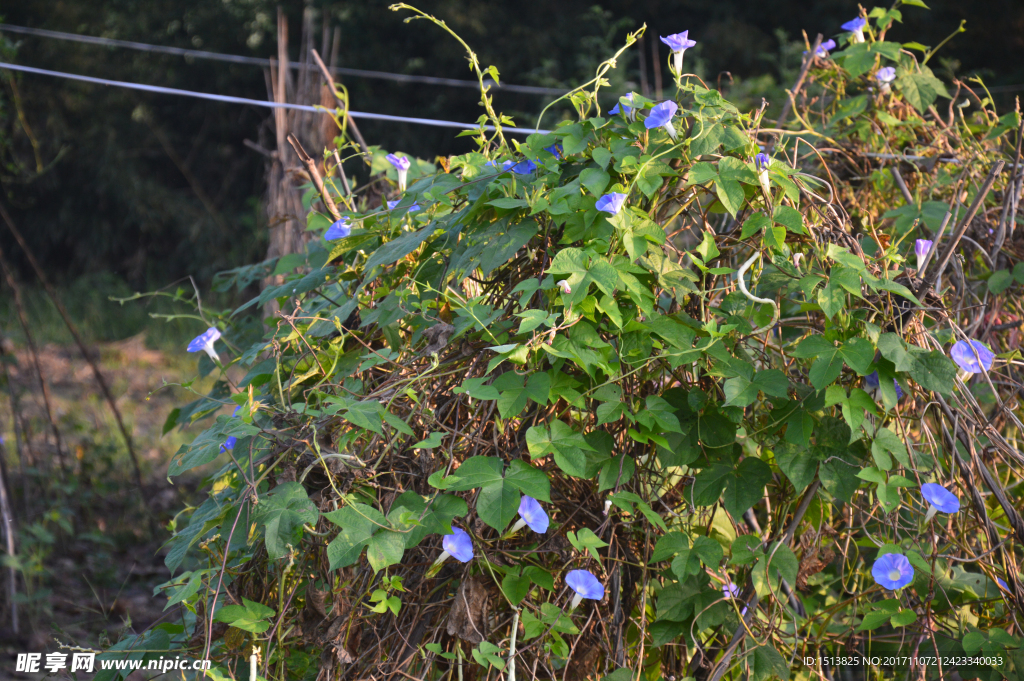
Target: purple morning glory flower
402,165
921,248
628,111
678,43
531,513
458,545
963,353
856,27
761,162
339,230
555,150
234,414
586,585
228,444
1002,584
893,571
731,590
940,498
661,117
886,75
611,203
505,165
826,47
205,341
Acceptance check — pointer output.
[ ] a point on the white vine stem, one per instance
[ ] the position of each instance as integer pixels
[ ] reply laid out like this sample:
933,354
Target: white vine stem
764,301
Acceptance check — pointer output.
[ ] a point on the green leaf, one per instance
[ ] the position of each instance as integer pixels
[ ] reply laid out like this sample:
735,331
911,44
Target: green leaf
903,618
249,616
358,523
1000,281
282,513
768,663
934,371
586,541
515,587
529,480
514,394
747,487
887,442
790,218
565,444
873,620
754,224
595,180
509,203
497,504
798,463
832,298
384,549
921,89
707,249
433,441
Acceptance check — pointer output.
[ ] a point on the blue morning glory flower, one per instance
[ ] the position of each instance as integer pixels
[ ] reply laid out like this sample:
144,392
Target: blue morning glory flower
963,353
871,381
524,167
205,341
555,150
886,74
761,162
893,571
228,444
731,590
1002,584
940,498
826,47
856,27
234,414
414,207
339,230
628,111
458,545
402,165
611,203
661,117
921,248
586,585
678,43
531,513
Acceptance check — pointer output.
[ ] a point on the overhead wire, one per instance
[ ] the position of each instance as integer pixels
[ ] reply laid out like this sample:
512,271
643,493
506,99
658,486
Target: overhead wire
258,102
259,61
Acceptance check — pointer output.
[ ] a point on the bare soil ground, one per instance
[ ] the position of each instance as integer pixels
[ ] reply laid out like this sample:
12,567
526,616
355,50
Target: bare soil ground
87,549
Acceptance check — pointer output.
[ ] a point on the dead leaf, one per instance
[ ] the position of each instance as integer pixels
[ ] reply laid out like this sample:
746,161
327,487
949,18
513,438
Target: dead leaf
468,616
438,336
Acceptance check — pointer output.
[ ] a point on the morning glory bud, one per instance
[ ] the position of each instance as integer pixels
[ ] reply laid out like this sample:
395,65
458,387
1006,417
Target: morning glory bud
628,111
893,571
678,43
204,342
339,230
885,75
939,499
762,162
661,117
731,590
564,285
585,585
921,248
401,164
971,356
456,545
531,513
228,444
611,203
856,27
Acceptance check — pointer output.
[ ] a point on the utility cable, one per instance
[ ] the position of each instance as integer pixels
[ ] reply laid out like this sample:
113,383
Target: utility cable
259,61
258,102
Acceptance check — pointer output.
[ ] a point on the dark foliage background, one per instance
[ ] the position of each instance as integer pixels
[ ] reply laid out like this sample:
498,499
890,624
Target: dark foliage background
112,206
